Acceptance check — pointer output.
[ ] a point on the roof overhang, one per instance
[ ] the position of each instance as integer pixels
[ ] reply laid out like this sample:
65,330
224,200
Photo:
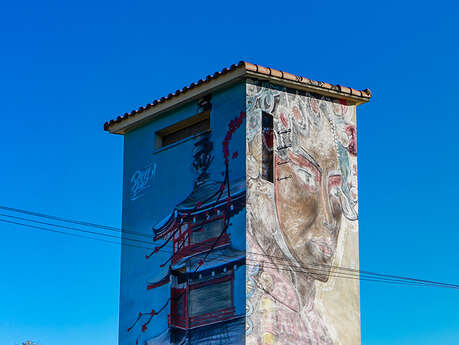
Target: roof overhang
223,79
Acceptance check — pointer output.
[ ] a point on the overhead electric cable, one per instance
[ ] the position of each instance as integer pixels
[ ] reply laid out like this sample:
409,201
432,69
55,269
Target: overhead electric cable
360,277
68,220
68,233
357,271
75,229
355,274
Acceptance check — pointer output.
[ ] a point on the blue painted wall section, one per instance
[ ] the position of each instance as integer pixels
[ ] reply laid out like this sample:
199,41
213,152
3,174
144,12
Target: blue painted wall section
187,285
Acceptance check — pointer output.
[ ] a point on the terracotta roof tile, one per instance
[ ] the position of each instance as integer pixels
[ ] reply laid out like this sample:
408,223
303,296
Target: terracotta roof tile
250,66
264,70
289,76
253,70
344,89
276,73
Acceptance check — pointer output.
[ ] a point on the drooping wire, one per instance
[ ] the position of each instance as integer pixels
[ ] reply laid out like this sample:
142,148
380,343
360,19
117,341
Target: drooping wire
315,271
74,221
70,234
278,265
75,229
355,271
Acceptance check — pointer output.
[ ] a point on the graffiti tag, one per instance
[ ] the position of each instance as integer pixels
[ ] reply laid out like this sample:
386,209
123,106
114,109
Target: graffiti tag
141,180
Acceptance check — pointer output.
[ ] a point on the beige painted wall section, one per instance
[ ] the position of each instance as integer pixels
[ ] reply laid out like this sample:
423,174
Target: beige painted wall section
304,223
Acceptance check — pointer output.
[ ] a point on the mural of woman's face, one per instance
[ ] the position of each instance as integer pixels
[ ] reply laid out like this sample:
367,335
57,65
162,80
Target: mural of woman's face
308,205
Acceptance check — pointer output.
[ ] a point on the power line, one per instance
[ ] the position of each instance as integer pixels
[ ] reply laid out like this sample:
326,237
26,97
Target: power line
68,220
75,229
276,266
316,271
66,233
213,256
355,270
287,267
90,232
99,226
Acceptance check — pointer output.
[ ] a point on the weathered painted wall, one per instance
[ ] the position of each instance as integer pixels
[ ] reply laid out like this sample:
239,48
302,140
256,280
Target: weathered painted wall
154,184
297,229
303,225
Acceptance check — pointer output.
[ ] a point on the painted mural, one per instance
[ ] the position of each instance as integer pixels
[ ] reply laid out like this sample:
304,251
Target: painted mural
301,218
190,288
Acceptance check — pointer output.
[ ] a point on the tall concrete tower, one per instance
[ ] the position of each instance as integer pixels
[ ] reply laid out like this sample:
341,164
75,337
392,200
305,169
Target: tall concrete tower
242,189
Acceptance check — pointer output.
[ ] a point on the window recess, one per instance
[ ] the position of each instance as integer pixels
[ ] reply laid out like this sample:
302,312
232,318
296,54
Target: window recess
267,134
182,130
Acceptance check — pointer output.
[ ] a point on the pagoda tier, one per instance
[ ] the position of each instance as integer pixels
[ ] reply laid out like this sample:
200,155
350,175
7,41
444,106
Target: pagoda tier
203,202
219,260
195,225
202,289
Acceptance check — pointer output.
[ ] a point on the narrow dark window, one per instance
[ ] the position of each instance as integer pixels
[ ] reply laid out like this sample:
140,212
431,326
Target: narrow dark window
179,306
267,135
184,129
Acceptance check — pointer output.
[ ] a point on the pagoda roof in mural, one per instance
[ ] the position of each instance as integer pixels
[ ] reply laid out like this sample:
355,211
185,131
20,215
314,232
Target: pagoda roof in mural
235,73
218,258
206,198
188,267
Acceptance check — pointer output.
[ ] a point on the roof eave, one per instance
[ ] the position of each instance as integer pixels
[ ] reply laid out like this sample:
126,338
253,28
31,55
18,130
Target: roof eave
240,72
142,117
355,99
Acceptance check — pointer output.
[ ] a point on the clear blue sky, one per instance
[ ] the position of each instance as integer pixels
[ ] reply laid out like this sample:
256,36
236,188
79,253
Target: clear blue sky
66,67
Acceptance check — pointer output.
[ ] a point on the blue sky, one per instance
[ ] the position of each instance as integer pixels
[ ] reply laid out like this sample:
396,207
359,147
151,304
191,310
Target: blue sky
68,67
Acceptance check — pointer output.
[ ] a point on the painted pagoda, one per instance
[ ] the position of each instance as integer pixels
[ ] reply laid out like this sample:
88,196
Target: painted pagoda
203,263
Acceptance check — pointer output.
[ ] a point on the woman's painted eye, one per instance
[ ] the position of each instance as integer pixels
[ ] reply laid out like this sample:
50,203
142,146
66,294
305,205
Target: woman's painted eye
306,177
